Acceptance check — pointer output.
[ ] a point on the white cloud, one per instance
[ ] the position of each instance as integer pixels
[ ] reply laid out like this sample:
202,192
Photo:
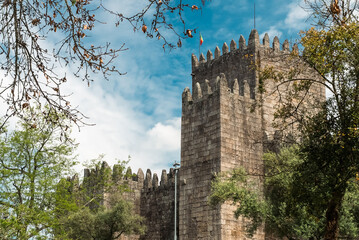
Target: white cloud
121,131
272,32
296,18
166,136
136,114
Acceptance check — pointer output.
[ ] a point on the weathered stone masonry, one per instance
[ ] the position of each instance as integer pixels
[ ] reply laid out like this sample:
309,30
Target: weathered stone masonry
221,130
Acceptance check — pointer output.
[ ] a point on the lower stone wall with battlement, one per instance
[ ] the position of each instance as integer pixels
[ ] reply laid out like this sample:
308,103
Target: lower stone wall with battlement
157,205
152,198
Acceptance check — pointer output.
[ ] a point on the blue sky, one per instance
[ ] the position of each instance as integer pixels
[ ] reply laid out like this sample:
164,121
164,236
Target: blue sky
138,114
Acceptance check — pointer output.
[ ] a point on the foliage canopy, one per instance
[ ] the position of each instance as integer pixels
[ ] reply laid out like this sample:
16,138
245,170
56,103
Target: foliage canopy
97,208
32,161
284,213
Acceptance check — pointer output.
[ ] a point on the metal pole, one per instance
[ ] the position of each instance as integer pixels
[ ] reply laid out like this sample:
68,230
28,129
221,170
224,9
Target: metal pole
254,14
176,166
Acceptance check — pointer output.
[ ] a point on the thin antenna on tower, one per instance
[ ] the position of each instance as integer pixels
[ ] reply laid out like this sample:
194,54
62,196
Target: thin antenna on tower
254,14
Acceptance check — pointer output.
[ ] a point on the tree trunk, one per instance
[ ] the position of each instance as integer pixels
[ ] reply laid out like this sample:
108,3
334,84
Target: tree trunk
332,217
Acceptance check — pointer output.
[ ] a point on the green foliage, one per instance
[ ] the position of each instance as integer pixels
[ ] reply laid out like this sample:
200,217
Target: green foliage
105,224
330,146
32,161
286,217
36,202
103,180
96,209
282,208
234,187
349,223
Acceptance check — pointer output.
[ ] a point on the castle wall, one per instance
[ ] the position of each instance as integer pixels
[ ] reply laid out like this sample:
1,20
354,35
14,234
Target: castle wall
157,206
285,61
152,198
135,186
200,155
219,133
241,146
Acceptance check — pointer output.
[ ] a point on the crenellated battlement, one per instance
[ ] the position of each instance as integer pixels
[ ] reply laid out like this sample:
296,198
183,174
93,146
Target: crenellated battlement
239,63
153,197
148,182
243,49
152,182
206,89
115,174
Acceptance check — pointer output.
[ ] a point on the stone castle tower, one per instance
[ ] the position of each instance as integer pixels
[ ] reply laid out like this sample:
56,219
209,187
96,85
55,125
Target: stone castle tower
221,130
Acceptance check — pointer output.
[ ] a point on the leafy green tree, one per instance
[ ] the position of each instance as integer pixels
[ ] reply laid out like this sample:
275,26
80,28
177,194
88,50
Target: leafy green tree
288,217
235,187
331,160
349,223
32,161
278,208
285,214
104,224
36,202
97,209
